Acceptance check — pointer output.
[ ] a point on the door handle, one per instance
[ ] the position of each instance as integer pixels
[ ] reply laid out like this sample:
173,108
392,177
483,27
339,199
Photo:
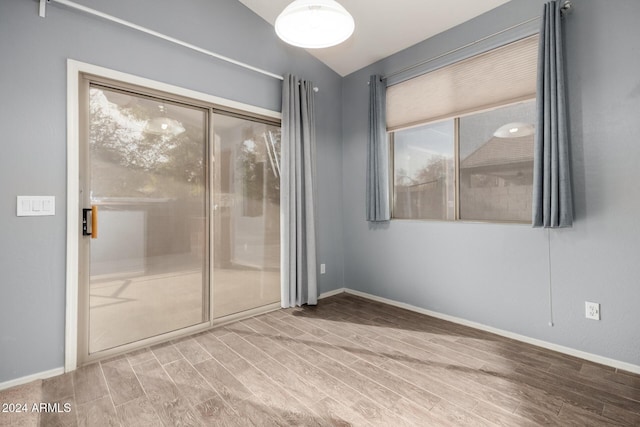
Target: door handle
94,222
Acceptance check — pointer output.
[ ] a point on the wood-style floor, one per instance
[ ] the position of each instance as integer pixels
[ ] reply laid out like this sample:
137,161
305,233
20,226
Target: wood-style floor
348,361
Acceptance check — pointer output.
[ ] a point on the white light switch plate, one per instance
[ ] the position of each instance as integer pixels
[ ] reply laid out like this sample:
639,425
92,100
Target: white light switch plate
36,205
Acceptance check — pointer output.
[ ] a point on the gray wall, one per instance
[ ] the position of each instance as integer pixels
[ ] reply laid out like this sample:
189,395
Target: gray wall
499,275
33,122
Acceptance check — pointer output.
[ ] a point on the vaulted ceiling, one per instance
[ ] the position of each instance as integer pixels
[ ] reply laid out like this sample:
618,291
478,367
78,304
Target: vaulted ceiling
384,27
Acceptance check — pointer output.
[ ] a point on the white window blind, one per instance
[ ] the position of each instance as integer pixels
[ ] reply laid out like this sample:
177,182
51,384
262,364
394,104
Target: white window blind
498,77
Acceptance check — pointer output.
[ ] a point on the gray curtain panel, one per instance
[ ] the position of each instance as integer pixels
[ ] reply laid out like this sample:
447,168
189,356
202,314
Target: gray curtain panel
378,205
297,194
552,199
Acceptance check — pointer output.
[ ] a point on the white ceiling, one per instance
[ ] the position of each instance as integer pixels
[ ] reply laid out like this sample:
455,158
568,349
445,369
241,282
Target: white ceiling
384,27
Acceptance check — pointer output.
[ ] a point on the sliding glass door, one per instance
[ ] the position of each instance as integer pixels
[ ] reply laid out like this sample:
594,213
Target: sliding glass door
246,204
181,216
147,187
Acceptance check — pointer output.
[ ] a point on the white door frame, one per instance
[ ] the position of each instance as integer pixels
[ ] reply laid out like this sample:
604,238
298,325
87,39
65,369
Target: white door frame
74,71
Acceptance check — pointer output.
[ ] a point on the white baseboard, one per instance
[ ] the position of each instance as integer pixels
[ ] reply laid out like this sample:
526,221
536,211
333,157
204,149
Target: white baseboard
331,293
38,376
523,338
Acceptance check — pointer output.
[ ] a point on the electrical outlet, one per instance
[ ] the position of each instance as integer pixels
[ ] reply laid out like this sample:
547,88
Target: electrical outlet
322,269
592,310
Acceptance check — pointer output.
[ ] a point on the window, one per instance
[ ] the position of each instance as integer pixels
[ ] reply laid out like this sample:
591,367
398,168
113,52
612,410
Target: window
462,138
496,164
424,185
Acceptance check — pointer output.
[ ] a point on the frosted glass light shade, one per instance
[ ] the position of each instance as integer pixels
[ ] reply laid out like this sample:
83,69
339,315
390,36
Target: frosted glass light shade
514,130
314,24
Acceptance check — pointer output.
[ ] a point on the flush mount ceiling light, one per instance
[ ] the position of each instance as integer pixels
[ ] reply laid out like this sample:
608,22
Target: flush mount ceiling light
163,125
514,130
314,24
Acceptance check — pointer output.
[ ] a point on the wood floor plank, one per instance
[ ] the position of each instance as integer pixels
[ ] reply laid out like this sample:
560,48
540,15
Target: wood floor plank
562,363
376,392
269,345
138,413
421,350
222,381
377,415
191,350
608,374
284,312
412,413
252,411
58,415
503,349
572,416
191,385
216,332
486,357
339,414
277,398
517,390
621,390
25,420
305,392
57,388
100,412
239,326
344,350
620,415
360,346
409,391
216,348
89,383
347,361
446,350
337,348
501,417
586,390
551,385
538,415
306,327
312,374
262,328
24,394
413,357
140,356
121,380
215,411
448,414
288,330
166,353
164,395
433,385
240,346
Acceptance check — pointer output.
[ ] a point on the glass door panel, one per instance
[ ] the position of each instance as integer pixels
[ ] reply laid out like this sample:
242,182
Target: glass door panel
246,203
148,179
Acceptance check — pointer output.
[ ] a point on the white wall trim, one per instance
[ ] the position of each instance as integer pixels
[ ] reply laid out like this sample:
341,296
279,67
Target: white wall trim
74,70
522,338
33,377
331,293
73,217
82,67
